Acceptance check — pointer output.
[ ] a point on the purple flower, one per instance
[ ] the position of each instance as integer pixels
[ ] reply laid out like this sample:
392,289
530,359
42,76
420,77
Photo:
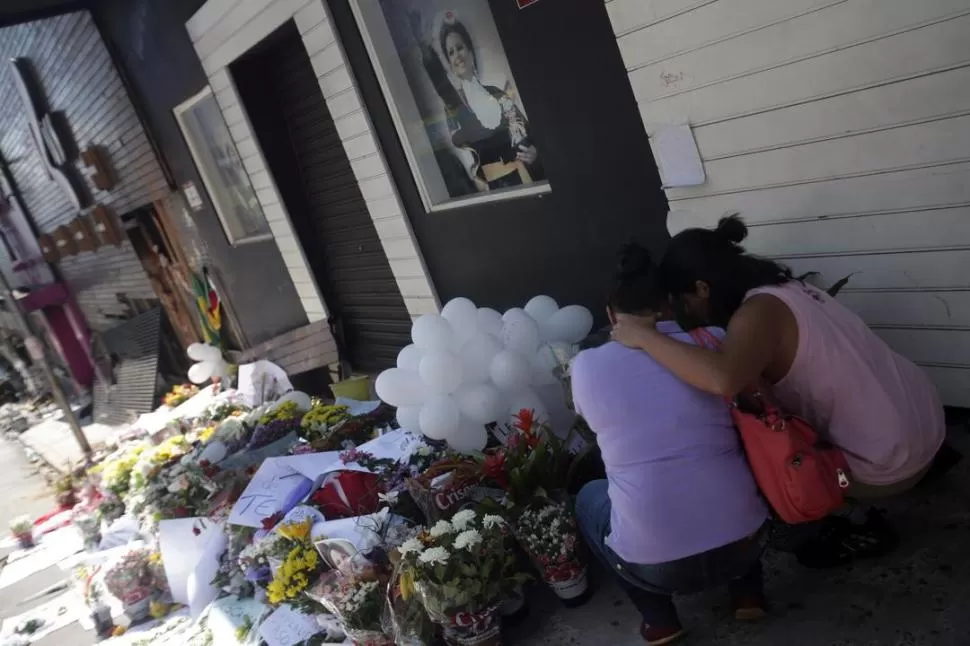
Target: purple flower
350,455
259,573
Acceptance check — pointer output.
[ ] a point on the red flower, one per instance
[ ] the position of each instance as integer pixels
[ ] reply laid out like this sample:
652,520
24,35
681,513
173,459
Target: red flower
494,467
270,521
196,531
524,420
204,463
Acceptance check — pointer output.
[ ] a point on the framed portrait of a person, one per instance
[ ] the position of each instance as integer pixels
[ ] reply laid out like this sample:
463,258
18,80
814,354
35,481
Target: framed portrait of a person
225,178
453,99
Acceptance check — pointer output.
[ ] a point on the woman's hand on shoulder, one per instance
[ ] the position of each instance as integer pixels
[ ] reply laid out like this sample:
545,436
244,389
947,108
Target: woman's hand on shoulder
633,331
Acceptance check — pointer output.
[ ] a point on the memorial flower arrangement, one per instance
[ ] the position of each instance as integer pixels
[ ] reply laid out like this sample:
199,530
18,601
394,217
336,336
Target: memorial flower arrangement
300,566
22,529
356,594
548,532
116,470
461,571
130,580
320,420
220,411
153,459
180,394
275,424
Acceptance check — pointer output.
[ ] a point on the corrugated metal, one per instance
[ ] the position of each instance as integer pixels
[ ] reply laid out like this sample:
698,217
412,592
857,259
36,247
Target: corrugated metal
134,347
841,133
74,69
361,294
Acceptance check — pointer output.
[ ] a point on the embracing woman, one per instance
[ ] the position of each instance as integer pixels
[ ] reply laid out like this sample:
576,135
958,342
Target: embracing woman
819,360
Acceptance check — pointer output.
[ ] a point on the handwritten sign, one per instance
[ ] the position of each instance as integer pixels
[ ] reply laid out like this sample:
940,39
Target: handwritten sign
266,494
287,627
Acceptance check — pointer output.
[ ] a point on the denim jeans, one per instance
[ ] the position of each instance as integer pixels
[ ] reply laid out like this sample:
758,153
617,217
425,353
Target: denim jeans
651,586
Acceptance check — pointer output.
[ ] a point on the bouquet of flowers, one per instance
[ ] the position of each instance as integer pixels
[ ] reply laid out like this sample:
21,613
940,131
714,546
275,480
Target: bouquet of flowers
231,576
461,571
151,461
220,411
180,394
299,567
130,580
356,430
233,432
22,529
89,524
318,422
548,533
275,424
355,593
116,470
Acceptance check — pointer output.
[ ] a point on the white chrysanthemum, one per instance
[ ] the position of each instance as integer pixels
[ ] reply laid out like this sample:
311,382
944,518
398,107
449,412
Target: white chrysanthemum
441,528
424,450
461,519
492,520
434,555
411,546
467,540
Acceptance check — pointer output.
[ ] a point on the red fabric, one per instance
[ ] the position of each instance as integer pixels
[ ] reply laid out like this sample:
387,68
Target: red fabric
346,494
802,478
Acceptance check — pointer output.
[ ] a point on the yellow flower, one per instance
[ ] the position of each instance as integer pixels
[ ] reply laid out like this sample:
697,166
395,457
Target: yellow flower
157,609
406,585
118,631
296,531
206,433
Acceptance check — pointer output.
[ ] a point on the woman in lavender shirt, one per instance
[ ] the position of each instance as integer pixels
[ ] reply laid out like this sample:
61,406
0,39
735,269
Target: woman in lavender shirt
679,510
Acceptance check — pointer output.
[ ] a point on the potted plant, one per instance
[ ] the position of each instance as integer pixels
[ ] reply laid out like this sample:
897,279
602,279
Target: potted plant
64,491
547,531
461,570
22,529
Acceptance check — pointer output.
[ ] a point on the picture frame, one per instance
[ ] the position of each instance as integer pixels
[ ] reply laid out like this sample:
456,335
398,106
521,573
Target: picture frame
226,180
458,113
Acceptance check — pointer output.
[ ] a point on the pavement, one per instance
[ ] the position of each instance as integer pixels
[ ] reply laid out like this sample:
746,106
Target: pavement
26,493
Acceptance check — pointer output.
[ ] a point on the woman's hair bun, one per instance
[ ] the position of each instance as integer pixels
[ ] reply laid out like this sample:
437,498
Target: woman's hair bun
634,259
732,228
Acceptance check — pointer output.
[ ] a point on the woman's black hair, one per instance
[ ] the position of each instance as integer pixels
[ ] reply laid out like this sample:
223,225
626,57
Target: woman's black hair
636,284
457,28
716,257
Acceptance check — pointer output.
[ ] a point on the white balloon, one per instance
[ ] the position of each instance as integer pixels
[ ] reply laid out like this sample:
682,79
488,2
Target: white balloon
529,400
196,352
408,418
409,358
570,324
469,438
481,403
200,373
463,316
489,321
440,371
431,332
301,399
521,334
510,371
400,387
541,307
476,357
514,313
439,417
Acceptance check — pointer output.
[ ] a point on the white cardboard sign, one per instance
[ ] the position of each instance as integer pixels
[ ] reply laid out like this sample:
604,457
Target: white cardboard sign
182,549
266,493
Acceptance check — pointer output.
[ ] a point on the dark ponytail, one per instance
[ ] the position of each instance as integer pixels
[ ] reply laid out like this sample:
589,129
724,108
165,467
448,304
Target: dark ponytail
636,284
716,257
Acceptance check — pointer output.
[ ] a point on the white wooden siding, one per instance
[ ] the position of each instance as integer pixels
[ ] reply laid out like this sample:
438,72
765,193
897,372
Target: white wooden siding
840,130
222,31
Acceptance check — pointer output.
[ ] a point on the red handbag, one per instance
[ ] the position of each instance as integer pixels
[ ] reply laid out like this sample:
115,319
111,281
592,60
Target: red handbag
803,477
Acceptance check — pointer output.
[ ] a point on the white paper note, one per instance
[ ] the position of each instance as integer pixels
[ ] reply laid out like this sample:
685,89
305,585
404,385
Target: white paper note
262,381
677,157
287,627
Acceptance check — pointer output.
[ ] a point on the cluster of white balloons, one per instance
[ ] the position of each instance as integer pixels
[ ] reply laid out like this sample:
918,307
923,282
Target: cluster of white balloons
470,366
210,363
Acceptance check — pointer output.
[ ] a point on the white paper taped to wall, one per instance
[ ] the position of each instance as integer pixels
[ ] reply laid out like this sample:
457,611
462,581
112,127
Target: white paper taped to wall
677,157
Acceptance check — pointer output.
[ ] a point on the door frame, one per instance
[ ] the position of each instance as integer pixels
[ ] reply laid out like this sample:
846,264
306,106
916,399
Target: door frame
217,47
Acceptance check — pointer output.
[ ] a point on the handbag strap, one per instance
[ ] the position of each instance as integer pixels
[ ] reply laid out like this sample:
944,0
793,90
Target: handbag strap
704,338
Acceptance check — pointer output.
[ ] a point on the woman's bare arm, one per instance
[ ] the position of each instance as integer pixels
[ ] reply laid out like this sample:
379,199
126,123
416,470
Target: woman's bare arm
753,337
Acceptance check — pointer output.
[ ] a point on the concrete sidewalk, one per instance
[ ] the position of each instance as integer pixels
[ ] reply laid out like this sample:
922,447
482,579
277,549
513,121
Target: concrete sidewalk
53,441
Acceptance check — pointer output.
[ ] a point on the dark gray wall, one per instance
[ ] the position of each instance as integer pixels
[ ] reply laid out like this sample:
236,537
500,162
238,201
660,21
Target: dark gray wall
149,40
584,120
73,70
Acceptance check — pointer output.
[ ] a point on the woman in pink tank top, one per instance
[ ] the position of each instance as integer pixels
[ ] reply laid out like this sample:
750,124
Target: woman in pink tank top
820,360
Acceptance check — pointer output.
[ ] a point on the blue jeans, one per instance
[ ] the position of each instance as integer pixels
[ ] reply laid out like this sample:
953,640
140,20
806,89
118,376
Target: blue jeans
650,587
